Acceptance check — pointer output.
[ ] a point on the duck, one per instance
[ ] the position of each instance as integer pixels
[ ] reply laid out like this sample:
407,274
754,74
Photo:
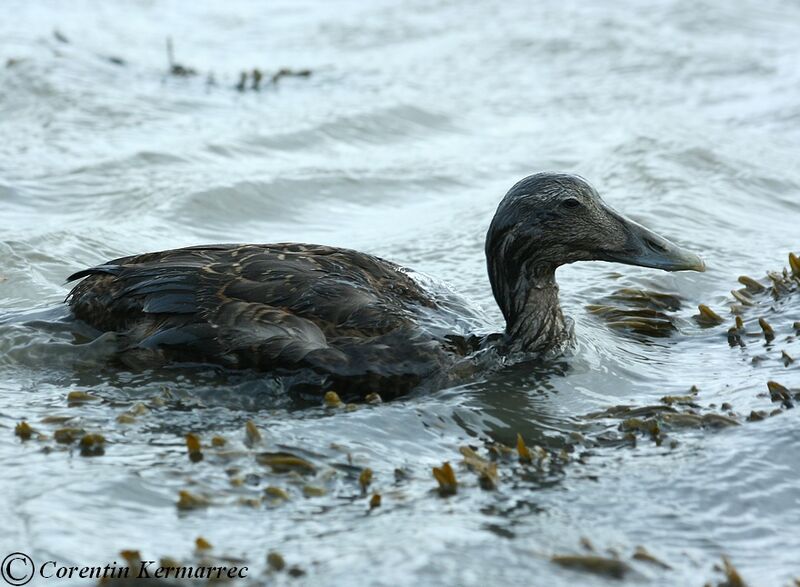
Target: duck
353,322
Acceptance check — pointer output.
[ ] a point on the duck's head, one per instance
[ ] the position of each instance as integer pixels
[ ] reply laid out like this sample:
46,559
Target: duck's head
548,219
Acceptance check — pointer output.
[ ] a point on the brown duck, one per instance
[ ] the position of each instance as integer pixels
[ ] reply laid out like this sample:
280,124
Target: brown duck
355,322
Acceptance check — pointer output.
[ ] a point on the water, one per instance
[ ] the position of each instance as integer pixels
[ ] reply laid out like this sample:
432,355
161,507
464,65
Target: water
416,120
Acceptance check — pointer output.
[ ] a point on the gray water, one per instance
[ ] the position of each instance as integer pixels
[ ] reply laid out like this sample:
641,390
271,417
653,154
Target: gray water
416,119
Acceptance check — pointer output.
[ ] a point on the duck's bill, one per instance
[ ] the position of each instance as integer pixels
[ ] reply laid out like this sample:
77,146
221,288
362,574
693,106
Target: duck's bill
645,248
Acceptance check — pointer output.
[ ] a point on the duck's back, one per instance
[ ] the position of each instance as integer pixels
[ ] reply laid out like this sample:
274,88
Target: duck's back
345,315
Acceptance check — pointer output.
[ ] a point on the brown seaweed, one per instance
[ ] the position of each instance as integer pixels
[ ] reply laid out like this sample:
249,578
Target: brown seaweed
193,448
486,471
769,333
92,445
707,316
599,565
23,430
365,478
284,462
446,478
68,435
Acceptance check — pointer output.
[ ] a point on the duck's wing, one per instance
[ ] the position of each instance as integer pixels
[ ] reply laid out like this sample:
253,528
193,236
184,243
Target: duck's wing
266,306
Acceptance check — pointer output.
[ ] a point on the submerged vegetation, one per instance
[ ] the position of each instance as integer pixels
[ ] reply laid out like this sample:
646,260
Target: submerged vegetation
253,79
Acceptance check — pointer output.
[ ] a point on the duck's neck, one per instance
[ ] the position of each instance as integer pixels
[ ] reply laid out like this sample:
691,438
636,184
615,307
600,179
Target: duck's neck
538,323
529,302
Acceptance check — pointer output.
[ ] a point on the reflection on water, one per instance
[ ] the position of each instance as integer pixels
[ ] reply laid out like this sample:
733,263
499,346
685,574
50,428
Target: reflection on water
415,120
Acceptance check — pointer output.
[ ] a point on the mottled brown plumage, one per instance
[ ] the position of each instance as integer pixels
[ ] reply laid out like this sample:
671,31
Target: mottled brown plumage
358,323
347,315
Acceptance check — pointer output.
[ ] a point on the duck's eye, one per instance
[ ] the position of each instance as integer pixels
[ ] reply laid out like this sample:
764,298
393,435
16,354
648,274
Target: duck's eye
571,203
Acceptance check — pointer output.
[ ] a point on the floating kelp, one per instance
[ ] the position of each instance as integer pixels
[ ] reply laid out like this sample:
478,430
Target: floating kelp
751,284
742,297
287,72
78,398
649,426
365,478
193,448
202,544
639,311
191,501
314,491
732,576
23,430
177,69
794,264
683,400
133,413
92,445
486,471
599,565
648,322
446,478
252,435
522,450
630,412
707,316
332,400
251,79
284,462
68,435
275,561
276,494
642,554
779,393
735,337
698,421
375,501
125,418
648,298
769,333
373,398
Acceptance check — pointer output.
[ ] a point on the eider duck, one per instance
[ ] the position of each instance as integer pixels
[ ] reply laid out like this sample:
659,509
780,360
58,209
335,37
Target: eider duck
358,323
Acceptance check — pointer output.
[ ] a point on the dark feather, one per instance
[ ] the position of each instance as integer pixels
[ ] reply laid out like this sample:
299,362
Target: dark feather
285,307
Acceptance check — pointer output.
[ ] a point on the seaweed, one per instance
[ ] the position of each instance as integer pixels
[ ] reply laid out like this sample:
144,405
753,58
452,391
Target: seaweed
78,398
332,400
599,565
23,430
191,501
276,494
641,554
68,435
522,450
769,333
275,561
364,479
375,501
92,445
486,471
284,462
707,317
175,68
201,544
732,576
252,434
779,393
314,491
446,477
193,448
